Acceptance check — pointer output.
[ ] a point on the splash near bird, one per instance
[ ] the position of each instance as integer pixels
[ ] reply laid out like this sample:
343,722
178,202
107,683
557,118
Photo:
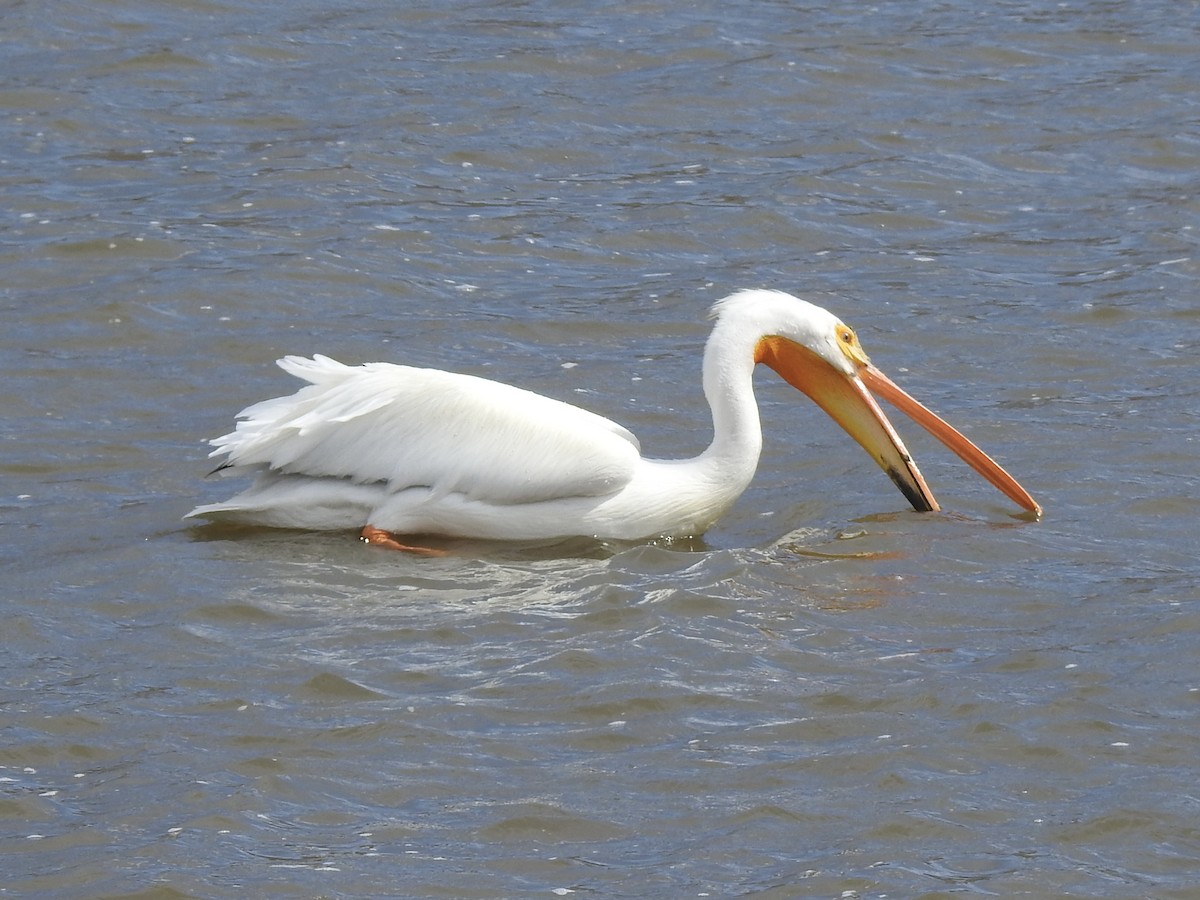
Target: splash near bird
399,451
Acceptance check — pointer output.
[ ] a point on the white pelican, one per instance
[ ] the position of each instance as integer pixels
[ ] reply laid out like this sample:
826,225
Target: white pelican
399,451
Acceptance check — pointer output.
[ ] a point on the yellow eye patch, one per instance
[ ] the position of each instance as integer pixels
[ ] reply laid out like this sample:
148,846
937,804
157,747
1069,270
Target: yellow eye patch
848,342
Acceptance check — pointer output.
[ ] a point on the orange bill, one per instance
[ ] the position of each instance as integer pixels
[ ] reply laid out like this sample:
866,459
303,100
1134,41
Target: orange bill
851,405
846,398
948,435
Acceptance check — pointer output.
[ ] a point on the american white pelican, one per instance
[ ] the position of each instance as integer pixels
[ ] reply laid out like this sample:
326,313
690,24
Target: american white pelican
400,451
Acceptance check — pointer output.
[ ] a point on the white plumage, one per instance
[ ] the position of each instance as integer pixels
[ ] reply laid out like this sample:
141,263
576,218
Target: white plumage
413,428
403,450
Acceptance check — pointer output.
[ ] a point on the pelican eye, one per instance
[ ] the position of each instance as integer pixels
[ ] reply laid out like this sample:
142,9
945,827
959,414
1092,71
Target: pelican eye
848,341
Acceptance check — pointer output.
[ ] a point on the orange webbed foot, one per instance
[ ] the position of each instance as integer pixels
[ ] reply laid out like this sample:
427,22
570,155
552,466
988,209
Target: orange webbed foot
379,538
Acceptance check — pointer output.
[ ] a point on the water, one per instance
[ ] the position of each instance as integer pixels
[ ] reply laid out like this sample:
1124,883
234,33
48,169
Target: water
828,696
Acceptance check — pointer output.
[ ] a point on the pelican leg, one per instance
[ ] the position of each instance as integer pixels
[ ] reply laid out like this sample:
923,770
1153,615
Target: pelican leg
380,538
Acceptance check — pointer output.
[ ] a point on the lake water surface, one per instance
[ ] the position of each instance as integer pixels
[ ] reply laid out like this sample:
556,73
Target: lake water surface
828,696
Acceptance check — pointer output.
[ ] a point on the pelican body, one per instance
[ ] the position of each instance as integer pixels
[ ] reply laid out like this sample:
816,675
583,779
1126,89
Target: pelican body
398,451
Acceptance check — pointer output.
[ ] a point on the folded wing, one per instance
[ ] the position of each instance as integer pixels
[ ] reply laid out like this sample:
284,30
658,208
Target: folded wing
413,427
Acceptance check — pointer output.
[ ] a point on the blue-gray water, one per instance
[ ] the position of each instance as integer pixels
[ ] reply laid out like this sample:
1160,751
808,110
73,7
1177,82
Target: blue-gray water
830,696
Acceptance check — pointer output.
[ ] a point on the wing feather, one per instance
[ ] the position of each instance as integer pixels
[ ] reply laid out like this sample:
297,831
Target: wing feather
414,427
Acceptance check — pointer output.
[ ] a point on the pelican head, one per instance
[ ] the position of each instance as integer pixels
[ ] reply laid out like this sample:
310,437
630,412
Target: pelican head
820,355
